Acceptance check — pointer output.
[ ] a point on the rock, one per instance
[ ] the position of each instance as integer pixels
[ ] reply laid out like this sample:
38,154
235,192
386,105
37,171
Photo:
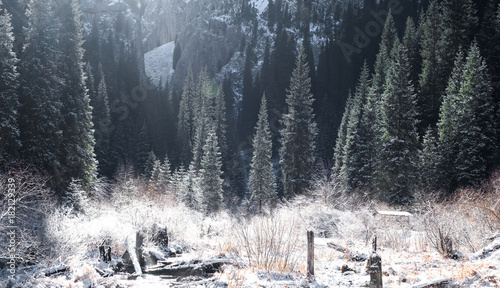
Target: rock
346,268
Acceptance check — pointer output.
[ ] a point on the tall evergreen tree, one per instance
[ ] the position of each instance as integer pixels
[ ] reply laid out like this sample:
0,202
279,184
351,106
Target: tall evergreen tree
185,119
299,131
77,150
476,123
430,160
459,22
102,124
210,175
352,157
411,42
447,129
9,102
340,143
40,103
262,181
431,85
221,122
383,60
400,141
249,98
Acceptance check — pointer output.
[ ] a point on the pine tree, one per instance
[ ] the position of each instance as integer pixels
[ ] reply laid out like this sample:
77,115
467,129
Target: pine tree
352,160
339,155
210,175
203,105
9,102
411,42
221,122
40,103
399,154
155,181
431,85
299,131
430,162
249,98
459,22
150,164
166,169
476,123
382,63
185,119
77,150
190,189
447,129
262,181
102,124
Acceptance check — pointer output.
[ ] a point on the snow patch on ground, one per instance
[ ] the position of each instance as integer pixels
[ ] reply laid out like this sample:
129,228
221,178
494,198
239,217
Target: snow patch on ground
158,63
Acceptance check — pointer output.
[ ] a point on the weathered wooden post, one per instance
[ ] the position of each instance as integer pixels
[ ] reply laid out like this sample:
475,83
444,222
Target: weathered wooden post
139,240
374,266
310,255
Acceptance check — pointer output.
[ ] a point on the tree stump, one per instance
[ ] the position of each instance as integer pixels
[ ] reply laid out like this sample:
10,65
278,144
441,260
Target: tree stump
374,266
105,252
139,240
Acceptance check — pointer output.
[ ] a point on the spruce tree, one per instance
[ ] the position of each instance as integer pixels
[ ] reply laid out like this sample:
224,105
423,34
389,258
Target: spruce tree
459,22
40,115
210,175
352,157
430,171
476,123
400,141
383,60
447,129
221,122
185,119
9,102
431,85
77,150
299,131
155,181
102,124
411,42
340,143
149,165
190,189
249,98
262,181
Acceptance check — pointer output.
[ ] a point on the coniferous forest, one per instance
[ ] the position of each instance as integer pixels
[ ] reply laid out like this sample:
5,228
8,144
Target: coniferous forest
387,101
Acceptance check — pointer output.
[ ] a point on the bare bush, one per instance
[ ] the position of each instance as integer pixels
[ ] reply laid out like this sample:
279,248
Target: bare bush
332,191
26,215
271,243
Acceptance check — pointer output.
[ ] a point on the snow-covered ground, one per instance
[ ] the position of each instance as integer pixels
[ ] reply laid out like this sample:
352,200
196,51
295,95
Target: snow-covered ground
267,250
158,63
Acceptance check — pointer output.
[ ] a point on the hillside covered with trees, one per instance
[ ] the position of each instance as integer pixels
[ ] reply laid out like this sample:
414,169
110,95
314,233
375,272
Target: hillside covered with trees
381,100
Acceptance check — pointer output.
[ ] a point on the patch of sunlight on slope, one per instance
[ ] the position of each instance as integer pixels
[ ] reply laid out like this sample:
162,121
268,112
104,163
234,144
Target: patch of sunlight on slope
158,63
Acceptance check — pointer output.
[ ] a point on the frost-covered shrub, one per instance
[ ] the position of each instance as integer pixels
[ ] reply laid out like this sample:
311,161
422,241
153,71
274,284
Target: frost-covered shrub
24,207
271,242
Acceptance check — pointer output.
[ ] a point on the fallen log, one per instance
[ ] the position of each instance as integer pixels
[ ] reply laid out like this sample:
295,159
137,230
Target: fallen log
433,284
353,256
54,270
190,268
